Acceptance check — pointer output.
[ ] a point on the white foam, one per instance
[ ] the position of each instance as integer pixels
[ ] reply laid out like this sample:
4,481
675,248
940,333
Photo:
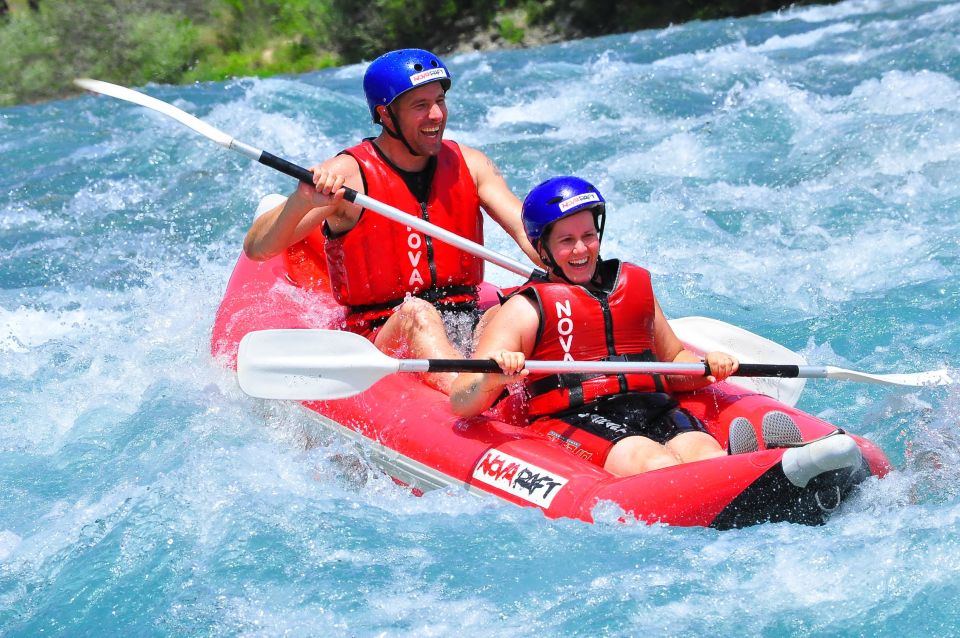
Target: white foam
19,216
804,40
8,544
24,328
940,15
904,92
681,155
351,71
550,109
838,11
726,60
282,135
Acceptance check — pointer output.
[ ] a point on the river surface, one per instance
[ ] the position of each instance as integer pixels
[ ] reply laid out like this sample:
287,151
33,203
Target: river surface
796,174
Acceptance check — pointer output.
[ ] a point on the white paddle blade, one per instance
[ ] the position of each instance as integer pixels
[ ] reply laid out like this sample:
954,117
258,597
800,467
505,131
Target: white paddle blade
307,365
916,379
706,335
201,127
129,95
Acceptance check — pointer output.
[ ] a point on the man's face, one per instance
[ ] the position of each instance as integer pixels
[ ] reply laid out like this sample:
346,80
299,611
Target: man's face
421,116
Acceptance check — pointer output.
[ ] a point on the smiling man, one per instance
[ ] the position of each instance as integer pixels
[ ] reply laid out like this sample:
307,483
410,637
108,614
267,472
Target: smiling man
395,280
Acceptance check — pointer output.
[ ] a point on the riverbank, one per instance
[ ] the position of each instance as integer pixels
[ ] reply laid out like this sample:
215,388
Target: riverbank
47,43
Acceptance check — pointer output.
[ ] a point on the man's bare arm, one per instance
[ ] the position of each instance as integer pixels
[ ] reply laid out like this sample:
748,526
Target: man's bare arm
498,200
306,208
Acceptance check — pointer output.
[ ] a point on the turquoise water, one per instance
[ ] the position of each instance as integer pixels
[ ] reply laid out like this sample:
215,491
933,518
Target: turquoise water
797,174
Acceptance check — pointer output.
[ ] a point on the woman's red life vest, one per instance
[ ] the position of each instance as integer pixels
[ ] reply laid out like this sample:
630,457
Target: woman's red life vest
374,265
581,325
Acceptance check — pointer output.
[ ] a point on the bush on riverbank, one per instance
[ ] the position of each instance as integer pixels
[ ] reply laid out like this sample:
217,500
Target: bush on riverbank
134,42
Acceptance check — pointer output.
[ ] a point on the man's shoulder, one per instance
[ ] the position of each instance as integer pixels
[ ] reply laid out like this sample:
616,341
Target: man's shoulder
479,164
467,151
342,163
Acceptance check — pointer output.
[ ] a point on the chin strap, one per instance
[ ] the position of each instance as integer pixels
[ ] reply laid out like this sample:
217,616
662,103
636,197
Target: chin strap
555,269
599,220
397,135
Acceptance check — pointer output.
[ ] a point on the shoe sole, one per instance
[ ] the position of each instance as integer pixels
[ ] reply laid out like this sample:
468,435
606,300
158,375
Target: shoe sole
780,430
743,438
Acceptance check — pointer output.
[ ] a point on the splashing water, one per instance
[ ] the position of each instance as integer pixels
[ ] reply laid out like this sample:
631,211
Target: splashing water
791,173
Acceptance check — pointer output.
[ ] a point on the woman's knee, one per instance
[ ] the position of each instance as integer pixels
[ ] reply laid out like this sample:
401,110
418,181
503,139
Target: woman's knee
635,455
695,446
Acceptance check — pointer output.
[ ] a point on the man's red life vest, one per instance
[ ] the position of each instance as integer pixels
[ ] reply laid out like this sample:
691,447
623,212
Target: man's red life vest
581,325
374,265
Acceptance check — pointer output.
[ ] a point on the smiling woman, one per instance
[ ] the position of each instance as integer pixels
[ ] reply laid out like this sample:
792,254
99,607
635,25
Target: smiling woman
591,310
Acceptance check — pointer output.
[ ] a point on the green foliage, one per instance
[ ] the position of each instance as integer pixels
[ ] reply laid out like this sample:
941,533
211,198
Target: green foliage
509,31
284,57
26,63
367,29
128,42
139,41
161,47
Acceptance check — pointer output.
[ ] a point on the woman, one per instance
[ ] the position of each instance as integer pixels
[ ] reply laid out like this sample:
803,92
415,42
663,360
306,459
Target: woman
589,310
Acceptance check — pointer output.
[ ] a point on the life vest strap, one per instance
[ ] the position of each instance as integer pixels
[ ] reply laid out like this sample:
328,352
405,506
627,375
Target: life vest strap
435,295
573,382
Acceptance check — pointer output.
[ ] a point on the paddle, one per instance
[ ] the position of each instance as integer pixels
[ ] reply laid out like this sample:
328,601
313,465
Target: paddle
304,175
706,335
332,364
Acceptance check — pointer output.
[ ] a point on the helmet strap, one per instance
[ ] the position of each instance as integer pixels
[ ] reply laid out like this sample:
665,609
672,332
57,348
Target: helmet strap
398,134
555,268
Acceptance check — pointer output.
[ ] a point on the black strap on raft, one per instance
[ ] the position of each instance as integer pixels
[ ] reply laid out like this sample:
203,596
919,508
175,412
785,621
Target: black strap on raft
435,296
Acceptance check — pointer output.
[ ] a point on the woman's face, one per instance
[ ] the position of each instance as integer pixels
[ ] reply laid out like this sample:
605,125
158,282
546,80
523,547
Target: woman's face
575,245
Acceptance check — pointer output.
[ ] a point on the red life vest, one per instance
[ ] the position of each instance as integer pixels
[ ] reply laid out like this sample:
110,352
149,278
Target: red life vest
374,265
581,325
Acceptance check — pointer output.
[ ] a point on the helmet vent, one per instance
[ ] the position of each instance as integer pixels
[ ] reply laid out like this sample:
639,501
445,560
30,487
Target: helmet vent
554,200
418,67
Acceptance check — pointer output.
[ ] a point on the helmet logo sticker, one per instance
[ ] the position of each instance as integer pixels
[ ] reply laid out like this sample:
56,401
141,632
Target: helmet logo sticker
577,200
428,75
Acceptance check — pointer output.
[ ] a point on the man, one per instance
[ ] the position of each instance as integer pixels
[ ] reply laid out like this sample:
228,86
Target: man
391,277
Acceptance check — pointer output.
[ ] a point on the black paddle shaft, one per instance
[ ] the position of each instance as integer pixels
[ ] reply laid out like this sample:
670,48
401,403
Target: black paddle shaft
463,365
767,370
285,167
489,365
297,172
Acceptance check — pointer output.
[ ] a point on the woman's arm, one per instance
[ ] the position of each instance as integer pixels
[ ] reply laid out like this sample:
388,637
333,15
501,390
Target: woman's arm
507,339
670,348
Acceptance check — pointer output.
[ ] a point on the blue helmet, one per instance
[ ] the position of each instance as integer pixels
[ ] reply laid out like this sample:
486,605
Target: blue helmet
559,197
396,72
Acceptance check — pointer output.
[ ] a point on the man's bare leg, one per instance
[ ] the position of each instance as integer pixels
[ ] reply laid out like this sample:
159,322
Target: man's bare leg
416,331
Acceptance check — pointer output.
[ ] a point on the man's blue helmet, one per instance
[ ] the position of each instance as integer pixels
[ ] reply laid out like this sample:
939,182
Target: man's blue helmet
557,198
396,72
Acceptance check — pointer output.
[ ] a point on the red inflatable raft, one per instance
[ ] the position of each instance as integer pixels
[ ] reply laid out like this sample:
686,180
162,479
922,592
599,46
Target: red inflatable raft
412,434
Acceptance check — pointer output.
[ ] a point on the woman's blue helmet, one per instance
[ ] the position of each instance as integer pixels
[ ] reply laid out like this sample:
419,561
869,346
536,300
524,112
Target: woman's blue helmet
557,198
396,72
